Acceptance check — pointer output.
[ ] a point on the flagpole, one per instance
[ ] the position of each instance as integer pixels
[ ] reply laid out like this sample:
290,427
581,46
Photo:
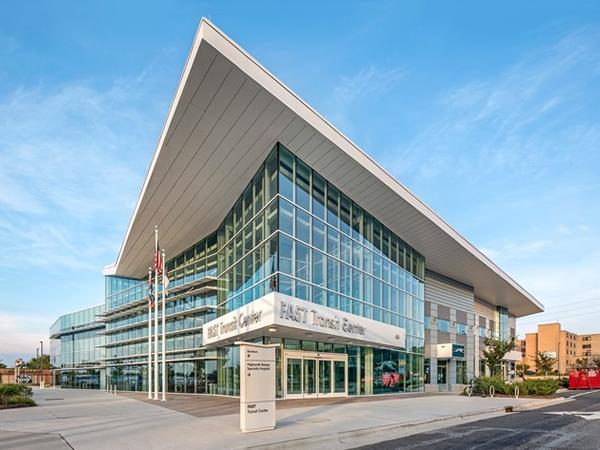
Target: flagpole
164,361
149,333
156,322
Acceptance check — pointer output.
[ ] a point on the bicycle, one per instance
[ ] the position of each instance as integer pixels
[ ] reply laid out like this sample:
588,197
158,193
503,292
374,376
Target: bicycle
471,389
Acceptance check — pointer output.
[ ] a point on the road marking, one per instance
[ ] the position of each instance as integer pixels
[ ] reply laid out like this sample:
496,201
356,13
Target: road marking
583,393
595,415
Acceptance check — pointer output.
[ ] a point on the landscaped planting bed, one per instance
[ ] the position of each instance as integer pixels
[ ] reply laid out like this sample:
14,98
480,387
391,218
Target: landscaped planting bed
15,396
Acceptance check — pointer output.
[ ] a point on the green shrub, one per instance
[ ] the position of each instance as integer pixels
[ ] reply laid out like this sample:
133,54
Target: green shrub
539,387
20,400
526,388
482,385
10,391
563,382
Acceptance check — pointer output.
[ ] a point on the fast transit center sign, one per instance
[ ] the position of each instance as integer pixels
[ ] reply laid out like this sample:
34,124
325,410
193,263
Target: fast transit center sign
292,317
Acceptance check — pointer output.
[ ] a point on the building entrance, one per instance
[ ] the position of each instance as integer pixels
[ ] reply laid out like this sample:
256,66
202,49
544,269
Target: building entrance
315,375
442,375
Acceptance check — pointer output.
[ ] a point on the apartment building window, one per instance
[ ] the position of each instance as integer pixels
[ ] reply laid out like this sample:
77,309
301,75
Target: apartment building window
587,345
461,329
587,338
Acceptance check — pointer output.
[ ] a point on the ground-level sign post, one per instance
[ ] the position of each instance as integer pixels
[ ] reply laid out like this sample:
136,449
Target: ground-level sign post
257,386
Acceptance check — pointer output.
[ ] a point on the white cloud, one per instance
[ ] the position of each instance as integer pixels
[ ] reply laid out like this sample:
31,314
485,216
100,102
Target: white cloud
365,86
563,229
569,292
517,123
20,335
512,250
72,159
368,81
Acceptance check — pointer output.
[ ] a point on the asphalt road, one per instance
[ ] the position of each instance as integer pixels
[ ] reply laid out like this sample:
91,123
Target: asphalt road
568,425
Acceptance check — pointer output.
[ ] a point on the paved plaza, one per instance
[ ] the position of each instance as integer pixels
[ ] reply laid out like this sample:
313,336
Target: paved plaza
83,420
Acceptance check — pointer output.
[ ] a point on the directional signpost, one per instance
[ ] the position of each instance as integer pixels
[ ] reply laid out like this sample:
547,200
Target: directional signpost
257,386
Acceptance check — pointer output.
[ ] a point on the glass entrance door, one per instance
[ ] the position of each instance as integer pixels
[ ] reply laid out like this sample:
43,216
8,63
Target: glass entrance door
312,374
324,377
442,375
339,377
310,377
294,376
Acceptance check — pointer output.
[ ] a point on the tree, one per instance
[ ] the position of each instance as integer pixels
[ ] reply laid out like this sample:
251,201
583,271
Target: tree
580,363
41,362
596,362
521,368
494,353
544,362
2,365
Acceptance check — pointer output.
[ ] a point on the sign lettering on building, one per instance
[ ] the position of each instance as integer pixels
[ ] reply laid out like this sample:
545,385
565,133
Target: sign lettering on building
280,311
306,315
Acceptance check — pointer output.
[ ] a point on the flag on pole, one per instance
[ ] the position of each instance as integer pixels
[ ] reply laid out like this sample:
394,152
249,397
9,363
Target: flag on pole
150,291
165,279
158,263
166,282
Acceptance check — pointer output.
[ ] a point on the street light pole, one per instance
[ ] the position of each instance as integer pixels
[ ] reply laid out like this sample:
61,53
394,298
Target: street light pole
41,364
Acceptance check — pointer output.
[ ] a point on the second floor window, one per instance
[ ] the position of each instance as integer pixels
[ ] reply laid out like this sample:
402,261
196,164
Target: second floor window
443,325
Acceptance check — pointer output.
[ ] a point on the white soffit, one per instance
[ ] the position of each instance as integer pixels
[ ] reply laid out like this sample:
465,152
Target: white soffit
226,116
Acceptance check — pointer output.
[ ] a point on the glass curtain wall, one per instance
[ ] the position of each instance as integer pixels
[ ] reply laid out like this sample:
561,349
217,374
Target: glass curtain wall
503,323
76,348
333,252
290,231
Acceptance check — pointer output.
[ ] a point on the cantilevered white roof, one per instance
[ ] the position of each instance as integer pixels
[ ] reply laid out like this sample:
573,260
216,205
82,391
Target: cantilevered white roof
227,114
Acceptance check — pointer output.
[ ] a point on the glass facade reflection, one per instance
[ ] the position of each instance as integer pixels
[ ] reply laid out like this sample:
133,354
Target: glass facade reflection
503,332
76,348
293,232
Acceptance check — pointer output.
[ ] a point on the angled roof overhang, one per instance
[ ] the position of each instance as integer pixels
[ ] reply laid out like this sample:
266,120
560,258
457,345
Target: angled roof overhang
226,115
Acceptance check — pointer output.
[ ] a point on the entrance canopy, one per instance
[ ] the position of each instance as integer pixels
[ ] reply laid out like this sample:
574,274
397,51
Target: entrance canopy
227,114
280,315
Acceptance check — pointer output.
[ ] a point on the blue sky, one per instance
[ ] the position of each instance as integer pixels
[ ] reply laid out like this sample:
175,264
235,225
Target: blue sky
488,113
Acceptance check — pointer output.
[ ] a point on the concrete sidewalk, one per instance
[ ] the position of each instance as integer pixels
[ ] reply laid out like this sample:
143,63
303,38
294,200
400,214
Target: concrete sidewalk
97,420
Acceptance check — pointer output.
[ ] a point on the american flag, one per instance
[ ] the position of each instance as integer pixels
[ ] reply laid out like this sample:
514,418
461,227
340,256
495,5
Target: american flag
158,263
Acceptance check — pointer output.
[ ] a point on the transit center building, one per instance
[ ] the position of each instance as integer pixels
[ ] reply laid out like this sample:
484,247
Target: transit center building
279,230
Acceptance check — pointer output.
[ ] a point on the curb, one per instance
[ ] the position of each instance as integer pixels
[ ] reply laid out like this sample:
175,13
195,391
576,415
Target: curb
339,437
553,401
